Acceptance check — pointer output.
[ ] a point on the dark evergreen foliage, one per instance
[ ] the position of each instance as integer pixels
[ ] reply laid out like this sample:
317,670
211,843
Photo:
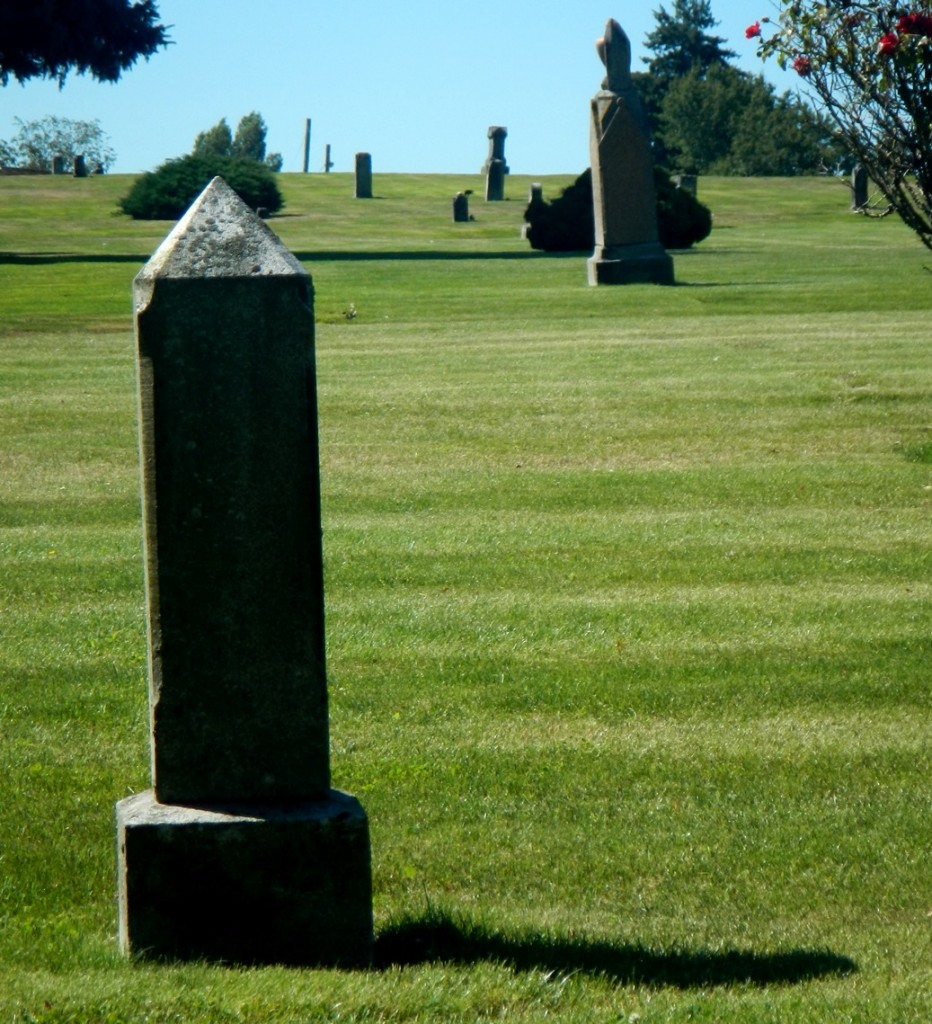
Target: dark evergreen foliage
165,193
568,223
49,38
680,43
708,117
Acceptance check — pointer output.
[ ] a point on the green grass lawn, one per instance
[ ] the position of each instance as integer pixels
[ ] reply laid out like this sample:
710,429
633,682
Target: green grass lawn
628,612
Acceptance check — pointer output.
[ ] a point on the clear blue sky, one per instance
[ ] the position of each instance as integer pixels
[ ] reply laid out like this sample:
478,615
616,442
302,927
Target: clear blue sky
416,83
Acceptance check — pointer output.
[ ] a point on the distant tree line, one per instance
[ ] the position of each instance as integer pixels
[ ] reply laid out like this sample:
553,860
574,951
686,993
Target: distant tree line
37,143
709,117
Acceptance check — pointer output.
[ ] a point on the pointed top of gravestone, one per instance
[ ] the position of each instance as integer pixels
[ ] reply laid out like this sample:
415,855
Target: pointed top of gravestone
220,236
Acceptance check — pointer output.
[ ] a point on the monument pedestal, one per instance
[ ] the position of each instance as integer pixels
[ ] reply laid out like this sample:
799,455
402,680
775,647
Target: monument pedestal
648,263
284,884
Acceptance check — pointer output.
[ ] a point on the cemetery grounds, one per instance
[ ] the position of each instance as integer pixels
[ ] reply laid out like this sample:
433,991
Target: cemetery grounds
628,611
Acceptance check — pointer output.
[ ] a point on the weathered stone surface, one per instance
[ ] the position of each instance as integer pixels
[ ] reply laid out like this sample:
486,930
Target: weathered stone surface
231,504
283,884
241,852
627,248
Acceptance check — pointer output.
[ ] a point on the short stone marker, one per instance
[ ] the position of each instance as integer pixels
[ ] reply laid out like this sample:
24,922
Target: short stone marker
534,200
58,165
687,182
495,167
461,208
627,246
241,852
79,166
363,176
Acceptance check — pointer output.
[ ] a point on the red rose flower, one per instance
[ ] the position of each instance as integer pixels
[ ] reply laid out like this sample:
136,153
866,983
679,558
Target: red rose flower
888,44
802,66
752,30
915,24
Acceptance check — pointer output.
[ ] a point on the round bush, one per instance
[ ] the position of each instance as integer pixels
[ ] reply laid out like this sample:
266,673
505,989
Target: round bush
166,192
568,223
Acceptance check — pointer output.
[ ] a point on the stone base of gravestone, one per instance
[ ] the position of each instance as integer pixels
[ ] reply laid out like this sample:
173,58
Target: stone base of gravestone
630,264
248,885
495,181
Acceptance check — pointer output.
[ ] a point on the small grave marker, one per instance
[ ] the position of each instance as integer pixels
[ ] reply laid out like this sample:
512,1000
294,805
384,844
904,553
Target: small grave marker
363,176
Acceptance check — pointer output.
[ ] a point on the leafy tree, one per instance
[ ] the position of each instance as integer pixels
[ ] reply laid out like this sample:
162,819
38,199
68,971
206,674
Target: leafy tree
707,116
249,141
37,143
868,67
730,122
166,192
247,144
216,141
50,38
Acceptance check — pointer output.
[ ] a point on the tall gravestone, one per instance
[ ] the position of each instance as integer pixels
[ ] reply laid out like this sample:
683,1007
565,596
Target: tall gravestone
241,851
495,168
627,245
363,180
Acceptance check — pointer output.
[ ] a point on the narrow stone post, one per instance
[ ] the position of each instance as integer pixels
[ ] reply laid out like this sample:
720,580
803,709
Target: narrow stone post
363,176
307,144
328,163
241,851
627,246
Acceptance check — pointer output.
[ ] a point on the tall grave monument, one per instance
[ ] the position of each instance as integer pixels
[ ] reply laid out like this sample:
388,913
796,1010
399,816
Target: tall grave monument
241,851
627,245
495,168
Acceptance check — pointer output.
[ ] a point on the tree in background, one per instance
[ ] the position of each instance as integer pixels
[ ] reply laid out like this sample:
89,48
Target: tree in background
730,122
707,116
248,143
50,38
681,42
37,143
869,69
216,141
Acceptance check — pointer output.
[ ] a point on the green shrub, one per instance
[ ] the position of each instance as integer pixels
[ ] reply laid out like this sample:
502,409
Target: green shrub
165,193
568,224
